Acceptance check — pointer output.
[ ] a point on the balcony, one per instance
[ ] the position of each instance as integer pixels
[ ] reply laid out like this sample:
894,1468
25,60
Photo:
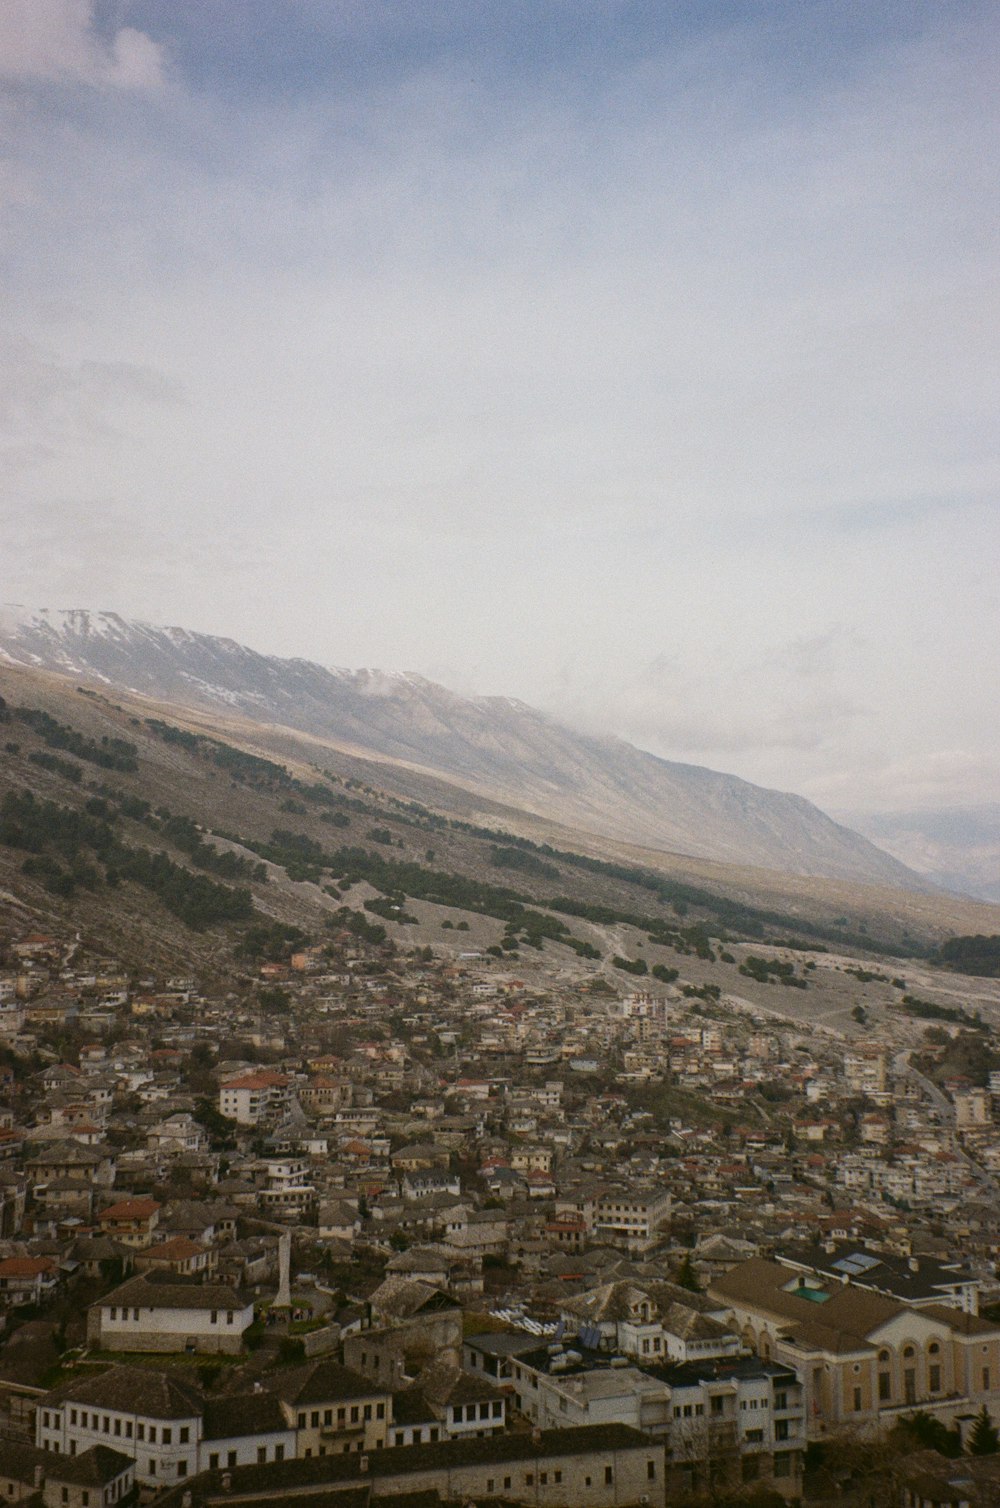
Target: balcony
333,1431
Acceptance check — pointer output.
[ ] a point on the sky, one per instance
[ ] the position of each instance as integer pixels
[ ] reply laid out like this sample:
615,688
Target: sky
635,359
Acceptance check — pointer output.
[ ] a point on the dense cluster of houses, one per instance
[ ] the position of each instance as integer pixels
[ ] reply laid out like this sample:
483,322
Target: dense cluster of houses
426,1226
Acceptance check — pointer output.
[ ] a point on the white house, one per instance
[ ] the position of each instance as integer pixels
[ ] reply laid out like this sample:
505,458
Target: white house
162,1311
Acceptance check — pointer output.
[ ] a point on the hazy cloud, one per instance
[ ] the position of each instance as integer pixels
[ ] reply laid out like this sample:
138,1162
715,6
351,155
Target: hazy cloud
57,41
638,361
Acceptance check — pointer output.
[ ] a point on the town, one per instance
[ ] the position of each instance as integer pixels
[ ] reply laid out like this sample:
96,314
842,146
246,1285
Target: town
436,1225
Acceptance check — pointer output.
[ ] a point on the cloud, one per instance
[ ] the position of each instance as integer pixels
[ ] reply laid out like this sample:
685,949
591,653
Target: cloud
51,407
650,378
58,41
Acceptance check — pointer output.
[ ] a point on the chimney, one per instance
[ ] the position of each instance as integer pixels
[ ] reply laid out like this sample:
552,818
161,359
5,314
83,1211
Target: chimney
363,1463
227,1481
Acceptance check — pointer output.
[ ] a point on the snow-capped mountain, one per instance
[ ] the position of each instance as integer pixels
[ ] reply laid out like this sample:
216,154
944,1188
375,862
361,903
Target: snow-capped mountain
495,746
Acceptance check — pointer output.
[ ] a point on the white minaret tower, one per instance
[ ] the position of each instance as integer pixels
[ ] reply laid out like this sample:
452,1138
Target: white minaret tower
283,1299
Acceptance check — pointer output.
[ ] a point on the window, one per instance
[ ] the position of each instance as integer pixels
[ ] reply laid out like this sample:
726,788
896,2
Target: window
857,1400
557,1476
497,1410
167,1436
140,1432
231,1458
781,1429
128,1429
261,1454
380,1411
355,1413
302,1421
934,1378
506,1482
214,1317
490,1485
781,1400
529,1479
182,1468
279,1452
368,1411
755,1436
543,1479
152,1434
884,1387
783,1465
986,1379
314,1419
213,1461
650,1471
72,1416
151,1468
609,1475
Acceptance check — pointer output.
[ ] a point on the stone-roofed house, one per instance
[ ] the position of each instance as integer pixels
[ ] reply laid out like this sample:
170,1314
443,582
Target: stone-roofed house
333,1408
154,1417
245,1428
464,1405
599,1465
161,1311
651,1321
97,1477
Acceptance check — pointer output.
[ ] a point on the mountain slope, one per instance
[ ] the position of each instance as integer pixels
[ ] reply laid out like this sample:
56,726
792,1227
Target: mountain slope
955,847
494,746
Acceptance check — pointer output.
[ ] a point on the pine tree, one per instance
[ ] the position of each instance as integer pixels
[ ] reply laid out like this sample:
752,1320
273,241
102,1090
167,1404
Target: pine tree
984,1439
686,1275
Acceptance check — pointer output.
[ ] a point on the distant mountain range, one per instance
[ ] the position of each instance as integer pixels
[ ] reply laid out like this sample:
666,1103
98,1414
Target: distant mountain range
495,747
956,847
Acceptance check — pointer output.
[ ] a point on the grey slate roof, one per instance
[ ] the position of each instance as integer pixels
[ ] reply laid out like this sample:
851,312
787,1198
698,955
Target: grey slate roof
168,1290
134,1390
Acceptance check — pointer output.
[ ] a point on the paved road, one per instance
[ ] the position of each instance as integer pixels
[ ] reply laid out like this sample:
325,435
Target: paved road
901,1065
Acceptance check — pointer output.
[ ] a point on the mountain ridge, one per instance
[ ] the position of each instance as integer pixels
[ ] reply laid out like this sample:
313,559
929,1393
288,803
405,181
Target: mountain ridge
497,747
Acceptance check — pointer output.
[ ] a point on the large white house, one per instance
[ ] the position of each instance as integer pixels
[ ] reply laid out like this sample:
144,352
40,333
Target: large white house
164,1423
161,1311
254,1098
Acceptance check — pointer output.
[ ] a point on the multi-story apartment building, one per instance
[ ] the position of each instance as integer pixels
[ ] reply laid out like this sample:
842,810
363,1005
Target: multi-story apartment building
254,1098
634,1217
